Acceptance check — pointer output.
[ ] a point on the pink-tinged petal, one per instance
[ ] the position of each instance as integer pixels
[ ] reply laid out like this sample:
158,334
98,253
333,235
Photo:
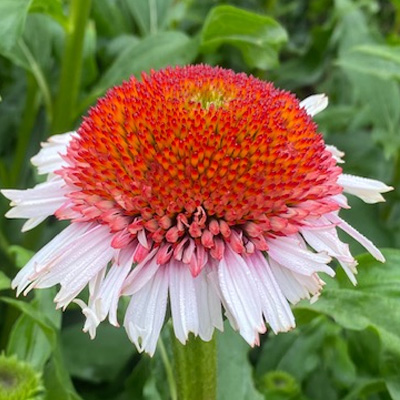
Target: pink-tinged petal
341,200
209,307
213,279
49,158
38,263
109,291
183,300
95,283
198,261
275,307
141,274
314,104
241,295
288,252
350,269
92,310
368,190
295,286
327,240
78,265
62,267
143,239
369,246
92,320
146,312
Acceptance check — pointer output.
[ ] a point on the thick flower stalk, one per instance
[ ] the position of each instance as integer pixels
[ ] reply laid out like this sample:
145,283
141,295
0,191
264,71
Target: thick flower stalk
197,188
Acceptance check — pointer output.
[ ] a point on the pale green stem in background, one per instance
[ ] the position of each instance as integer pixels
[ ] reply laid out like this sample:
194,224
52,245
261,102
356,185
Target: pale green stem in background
153,16
39,76
71,69
168,369
24,133
195,368
4,245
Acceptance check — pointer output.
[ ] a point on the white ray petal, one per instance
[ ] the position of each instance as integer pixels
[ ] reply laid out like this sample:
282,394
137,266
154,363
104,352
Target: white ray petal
77,265
110,290
92,321
314,104
141,274
64,266
296,286
327,239
182,294
39,261
275,307
336,153
91,311
241,295
288,252
212,278
341,200
49,157
368,190
32,223
105,292
368,245
209,307
38,202
146,312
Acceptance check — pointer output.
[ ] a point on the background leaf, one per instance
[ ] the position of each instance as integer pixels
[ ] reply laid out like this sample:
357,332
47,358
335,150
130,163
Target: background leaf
375,303
259,38
234,371
5,281
54,8
96,360
379,61
151,15
12,20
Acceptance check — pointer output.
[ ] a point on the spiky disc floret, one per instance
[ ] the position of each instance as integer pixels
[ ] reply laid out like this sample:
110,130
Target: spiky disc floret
200,153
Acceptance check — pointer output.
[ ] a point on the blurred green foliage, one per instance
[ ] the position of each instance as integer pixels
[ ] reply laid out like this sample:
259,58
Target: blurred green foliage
57,57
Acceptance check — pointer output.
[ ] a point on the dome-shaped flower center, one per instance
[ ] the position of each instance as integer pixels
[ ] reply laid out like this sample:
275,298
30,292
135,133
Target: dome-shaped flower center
201,153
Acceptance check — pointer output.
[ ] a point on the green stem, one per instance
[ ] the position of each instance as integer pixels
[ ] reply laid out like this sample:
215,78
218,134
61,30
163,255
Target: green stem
153,17
71,69
24,132
196,369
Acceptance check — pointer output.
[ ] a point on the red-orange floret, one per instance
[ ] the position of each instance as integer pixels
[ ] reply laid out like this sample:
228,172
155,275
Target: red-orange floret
188,149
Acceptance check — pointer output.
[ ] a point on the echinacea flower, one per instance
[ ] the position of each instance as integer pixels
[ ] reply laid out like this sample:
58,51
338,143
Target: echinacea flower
19,380
197,185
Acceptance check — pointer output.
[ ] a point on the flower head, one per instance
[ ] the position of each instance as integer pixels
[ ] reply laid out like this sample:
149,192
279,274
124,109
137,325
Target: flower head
19,380
198,185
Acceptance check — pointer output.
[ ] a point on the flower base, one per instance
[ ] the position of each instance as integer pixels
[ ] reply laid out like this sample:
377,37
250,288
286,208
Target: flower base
195,368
